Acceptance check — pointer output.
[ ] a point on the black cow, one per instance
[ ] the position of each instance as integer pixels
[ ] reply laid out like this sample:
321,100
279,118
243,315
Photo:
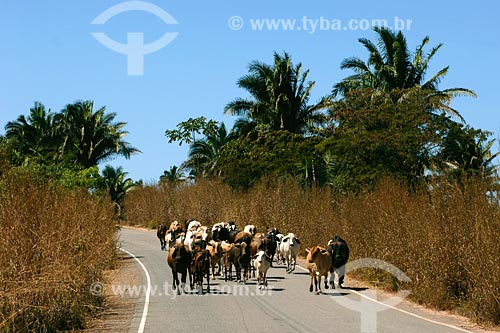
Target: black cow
339,252
179,259
273,243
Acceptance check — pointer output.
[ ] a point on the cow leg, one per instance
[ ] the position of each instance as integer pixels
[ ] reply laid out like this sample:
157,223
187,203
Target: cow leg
219,265
212,264
238,272
317,284
311,284
175,281
208,282
332,278
341,273
200,282
326,280
183,280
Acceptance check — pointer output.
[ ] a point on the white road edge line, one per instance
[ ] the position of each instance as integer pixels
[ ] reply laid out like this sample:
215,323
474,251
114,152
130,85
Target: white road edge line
148,291
404,311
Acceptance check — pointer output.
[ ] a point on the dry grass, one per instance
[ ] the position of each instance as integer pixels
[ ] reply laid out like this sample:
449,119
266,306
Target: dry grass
447,242
54,243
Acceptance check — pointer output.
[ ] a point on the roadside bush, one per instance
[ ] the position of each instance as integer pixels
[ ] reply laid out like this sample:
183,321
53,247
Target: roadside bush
54,243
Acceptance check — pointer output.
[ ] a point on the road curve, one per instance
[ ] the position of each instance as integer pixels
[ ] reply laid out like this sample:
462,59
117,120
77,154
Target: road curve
287,306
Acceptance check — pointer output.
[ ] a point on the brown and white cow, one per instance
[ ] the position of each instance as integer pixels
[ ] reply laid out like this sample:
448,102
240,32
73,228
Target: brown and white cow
318,263
261,263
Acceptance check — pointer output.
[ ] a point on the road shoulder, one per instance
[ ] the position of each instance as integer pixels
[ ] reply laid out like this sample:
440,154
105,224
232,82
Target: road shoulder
119,310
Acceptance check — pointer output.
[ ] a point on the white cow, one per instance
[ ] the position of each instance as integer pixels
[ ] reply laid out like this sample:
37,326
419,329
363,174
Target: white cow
203,233
180,238
262,262
250,228
189,239
193,225
289,248
279,257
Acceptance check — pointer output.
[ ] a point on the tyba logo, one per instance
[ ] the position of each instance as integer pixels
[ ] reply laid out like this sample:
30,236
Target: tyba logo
135,49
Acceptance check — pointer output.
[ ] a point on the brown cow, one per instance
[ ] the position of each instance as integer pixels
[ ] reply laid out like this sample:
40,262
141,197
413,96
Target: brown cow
318,263
202,268
239,256
179,259
243,237
216,253
161,230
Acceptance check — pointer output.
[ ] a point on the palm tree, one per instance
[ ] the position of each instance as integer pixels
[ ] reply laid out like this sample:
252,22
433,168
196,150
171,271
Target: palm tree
204,153
280,97
118,186
92,137
173,175
468,151
36,135
392,66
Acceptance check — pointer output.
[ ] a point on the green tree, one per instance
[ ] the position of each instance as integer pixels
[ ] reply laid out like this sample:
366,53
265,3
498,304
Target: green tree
204,154
467,152
35,136
245,161
186,131
280,97
392,66
376,137
92,136
117,183
172,176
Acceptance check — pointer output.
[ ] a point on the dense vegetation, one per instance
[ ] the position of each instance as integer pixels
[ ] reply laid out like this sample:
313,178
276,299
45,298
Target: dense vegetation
387,119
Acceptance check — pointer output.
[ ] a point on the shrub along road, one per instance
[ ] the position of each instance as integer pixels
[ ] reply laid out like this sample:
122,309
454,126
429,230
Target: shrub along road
287,305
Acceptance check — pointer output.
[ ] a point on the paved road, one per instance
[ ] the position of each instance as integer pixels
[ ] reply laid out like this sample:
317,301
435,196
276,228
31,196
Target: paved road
286,307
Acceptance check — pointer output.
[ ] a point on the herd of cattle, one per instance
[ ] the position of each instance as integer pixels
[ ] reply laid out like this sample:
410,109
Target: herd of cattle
193,249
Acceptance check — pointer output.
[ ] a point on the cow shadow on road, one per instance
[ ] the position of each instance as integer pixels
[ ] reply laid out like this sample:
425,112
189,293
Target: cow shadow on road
355,288
335,294
269,278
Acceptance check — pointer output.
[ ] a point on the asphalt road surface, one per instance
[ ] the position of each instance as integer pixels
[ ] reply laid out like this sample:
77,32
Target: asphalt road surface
286,306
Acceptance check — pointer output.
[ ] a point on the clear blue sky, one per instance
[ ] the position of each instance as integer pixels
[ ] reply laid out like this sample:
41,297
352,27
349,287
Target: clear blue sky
48,54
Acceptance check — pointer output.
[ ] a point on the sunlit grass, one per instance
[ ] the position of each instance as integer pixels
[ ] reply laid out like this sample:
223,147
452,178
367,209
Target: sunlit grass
54,243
